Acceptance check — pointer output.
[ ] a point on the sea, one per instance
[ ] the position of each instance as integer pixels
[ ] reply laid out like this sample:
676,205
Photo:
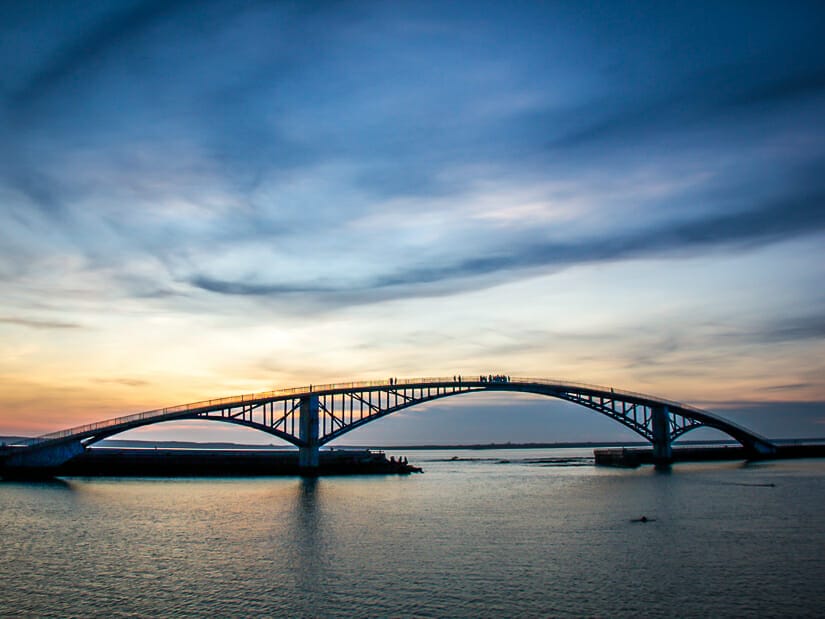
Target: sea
480,533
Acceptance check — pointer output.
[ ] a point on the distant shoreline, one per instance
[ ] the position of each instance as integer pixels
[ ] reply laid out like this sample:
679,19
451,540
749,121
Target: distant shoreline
424,447
429,447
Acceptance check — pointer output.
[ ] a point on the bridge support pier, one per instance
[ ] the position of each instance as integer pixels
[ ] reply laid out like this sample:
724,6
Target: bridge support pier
308,433
662,451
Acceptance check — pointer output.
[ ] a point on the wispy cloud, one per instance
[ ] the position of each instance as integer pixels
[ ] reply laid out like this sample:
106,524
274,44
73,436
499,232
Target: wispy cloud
126,382
777,221
39,324
787,387
792,328
88,47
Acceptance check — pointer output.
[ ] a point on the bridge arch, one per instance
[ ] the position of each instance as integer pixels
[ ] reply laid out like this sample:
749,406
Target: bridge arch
327,438
310,417
88,442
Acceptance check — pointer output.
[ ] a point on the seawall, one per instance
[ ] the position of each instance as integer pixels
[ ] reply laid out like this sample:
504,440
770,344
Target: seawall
633,457
216,463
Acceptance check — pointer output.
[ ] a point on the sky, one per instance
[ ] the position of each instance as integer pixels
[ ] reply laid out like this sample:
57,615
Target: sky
201,199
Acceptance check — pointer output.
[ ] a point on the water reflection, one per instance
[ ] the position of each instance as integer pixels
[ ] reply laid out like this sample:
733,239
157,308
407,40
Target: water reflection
306,520
303,542
307,529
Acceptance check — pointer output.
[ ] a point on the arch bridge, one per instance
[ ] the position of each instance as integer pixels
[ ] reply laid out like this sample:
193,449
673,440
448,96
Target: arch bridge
309,417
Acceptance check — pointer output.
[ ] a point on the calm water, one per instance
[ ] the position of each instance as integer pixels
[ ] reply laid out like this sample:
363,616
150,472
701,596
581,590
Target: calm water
467,538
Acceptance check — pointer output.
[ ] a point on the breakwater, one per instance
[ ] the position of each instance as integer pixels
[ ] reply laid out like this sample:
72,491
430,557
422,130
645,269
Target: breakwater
96,462
633,457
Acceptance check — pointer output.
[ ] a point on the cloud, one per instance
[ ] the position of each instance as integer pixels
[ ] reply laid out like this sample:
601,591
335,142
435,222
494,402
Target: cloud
247,289
776,221
89,46
246,94
785,88
788,387
722,99
794,328
40,324
126,382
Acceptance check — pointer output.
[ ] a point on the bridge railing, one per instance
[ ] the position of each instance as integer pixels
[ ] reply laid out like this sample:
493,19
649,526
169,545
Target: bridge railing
231,401
602,388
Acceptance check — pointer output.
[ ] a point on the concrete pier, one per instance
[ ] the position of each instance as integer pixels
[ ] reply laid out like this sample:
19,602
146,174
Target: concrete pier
662,451
308,433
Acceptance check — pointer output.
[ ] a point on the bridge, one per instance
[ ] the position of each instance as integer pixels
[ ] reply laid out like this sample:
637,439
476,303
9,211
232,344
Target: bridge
309,417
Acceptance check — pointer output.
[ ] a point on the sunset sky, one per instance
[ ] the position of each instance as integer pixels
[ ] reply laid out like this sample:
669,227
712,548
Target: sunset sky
200,199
